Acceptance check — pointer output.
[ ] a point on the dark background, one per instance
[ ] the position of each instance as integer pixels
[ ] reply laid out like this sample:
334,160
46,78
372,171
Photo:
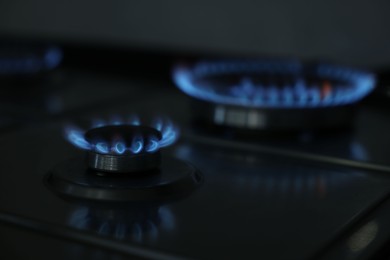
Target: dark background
352,32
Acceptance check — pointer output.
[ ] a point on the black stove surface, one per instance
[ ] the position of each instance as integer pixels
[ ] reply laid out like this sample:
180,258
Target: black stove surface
301,198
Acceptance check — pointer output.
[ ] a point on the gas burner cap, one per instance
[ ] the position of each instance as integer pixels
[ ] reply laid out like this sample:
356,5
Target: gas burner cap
276,95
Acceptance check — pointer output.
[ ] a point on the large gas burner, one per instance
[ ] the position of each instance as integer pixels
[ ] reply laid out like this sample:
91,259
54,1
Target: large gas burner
124,162
272,94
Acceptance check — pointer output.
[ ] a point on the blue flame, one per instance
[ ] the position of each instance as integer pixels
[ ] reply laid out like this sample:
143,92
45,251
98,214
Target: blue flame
32,62
102,147
137,145
98,123
150,144
299,94
76,137
120,147
116,120
139,224
157,124
169,134
53,57
134,120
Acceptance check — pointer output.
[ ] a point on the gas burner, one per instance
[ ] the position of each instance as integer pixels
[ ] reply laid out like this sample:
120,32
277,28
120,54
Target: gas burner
24,59
120,147
272,94
123,162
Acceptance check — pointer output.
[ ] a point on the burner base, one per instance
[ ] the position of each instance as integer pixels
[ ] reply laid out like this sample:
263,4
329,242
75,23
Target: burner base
266,119
175,178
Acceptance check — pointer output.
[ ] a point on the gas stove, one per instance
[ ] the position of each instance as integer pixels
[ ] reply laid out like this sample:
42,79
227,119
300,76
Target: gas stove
152,172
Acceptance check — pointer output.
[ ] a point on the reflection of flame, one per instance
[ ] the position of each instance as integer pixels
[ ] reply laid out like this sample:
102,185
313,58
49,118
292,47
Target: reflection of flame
137,224
169,133
264,179
293,184
298,85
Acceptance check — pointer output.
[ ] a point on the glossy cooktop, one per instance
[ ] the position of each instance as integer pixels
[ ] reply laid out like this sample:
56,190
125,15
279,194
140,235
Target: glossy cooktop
301,198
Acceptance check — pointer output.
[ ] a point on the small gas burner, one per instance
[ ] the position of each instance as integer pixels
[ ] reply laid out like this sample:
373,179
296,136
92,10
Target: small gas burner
272,94
27,59
120,147
124,162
